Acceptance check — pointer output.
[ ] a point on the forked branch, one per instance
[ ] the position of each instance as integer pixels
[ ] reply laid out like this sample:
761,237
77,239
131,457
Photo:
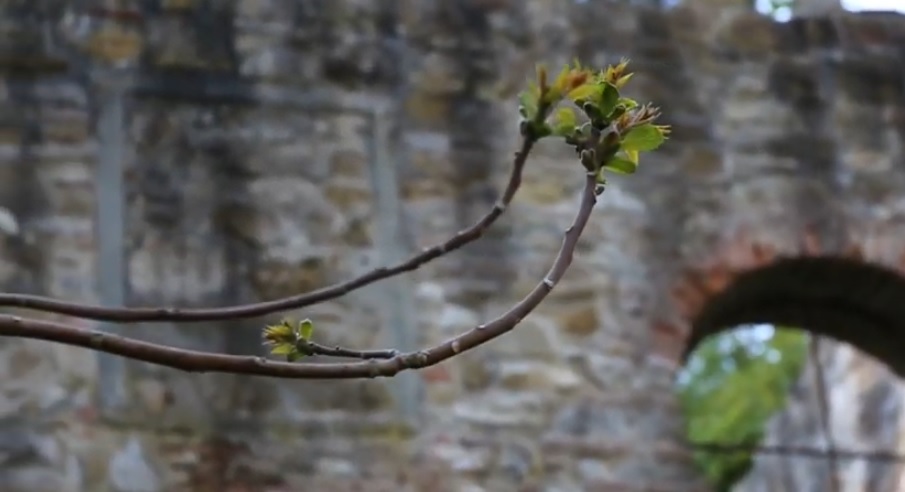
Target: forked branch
376,365
161,314
615,132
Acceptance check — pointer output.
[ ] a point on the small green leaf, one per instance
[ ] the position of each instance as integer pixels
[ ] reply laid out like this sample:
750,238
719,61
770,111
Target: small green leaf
293,356
583,92
541,130
626,102
283,348
564,122
601,179
528,104
620,165
609,97
306,329
643,138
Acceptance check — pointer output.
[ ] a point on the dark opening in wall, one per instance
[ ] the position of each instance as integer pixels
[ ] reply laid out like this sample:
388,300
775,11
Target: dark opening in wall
754,378
844,299
190,54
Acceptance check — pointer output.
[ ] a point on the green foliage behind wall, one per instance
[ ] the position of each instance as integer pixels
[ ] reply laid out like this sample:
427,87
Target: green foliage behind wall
730,388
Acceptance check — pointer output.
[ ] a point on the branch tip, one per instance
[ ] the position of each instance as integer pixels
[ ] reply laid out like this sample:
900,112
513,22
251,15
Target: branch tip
629,132
376,363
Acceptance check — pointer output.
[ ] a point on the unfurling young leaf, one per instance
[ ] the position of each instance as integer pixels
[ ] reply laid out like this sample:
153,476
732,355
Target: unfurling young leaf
616,74
541,71
528,102
616,128
283,349
631,155
306,329
569,81
621,165
586,91
609,97
564,122
284,338
279,333
643,138
628,103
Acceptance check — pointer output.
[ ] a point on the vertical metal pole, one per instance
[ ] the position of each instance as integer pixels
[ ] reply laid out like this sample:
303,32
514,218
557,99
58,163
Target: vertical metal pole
397,303
110,231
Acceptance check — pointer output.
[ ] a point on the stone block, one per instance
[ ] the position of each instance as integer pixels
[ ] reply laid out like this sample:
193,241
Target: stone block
114,44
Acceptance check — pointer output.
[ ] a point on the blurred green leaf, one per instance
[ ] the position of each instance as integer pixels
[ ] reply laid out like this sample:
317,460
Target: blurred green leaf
528,100
608,99
583,92
627,103
643,138
306,329
730,388
282,349
564,122
619,165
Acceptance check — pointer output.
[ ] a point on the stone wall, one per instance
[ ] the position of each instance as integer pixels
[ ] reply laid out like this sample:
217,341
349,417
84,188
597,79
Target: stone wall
271,147
827,186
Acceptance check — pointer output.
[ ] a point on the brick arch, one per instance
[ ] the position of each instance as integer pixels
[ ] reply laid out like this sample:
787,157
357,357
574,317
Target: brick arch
839,295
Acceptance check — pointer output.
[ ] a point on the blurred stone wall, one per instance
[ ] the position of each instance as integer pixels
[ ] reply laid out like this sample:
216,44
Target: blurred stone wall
807,164
270,147
865,401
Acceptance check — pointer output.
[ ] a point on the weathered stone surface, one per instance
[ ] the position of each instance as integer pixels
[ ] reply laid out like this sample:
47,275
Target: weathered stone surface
865,403
251,174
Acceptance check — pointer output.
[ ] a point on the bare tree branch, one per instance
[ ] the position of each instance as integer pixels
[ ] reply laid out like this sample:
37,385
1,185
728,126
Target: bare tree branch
617,131
242,311
198,361
307,347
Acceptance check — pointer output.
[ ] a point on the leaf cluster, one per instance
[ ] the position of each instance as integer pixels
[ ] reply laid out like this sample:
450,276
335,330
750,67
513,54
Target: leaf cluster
608,130
290,339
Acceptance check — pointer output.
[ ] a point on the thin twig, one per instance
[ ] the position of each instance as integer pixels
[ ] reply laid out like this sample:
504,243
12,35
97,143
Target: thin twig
824,412
198,361
307,347
800,451
242,311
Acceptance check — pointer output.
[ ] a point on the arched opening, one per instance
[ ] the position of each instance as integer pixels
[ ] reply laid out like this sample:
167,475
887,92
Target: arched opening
752,376
733,384
850,301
